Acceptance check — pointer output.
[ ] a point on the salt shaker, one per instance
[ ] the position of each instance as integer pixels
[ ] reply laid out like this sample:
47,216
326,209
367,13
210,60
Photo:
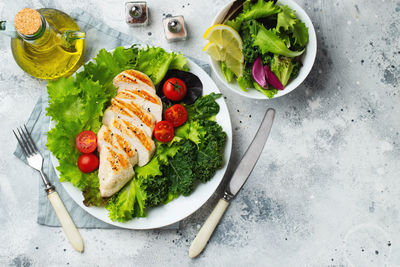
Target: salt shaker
175,28
136,13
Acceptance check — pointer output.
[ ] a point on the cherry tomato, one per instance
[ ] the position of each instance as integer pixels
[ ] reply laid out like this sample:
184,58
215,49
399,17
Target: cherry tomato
174,89
88,162
86,142
176,115
164,131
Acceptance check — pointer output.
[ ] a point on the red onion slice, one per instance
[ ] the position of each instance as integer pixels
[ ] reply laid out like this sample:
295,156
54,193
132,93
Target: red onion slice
258,73
271,78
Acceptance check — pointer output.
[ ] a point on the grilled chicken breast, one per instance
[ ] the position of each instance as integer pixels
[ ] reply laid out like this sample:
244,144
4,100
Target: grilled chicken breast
134,86
124,139
132,113
148,101
133,79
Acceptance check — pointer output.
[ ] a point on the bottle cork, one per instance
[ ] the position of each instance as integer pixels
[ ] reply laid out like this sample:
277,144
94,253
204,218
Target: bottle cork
27,21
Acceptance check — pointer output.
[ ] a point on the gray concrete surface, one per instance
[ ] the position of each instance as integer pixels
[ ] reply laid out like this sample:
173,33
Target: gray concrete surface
325,191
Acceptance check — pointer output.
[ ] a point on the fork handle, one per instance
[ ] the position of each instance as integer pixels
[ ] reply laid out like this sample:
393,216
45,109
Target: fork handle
67,224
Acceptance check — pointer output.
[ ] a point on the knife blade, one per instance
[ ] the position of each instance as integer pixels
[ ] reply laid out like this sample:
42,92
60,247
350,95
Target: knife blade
237,181
251,155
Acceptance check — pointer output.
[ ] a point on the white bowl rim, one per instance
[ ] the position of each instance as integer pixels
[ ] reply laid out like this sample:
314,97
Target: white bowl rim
308,57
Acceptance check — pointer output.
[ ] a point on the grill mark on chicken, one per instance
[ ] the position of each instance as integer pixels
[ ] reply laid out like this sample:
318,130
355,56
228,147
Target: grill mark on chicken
124,145
117,161
139,76
131,131
135,109
130,94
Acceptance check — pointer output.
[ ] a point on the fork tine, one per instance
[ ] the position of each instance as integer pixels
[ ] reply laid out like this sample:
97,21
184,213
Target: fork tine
21,144
24,141
28,142
31,140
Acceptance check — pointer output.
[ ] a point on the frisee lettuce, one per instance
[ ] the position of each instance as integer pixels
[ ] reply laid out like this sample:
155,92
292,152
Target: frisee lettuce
268,41
261,9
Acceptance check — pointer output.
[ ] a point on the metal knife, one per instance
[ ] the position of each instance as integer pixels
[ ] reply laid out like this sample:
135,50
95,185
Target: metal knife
238,179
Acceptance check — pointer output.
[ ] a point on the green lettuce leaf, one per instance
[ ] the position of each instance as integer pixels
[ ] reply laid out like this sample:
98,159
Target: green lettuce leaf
267,92
57,92
228,74
300,33
245,81
141,197
179,62
261,9
129,202
285,19
268,41
150,169
283,67
69,172
191,130
121,205
166,151
91,192
155,62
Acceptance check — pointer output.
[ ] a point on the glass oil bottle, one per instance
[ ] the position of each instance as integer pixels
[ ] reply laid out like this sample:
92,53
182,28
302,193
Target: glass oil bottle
46,43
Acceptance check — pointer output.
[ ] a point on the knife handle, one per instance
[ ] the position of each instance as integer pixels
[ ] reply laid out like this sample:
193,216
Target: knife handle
200,242
67,224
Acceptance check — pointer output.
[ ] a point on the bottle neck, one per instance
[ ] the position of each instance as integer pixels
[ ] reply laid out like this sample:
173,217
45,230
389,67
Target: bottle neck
41,36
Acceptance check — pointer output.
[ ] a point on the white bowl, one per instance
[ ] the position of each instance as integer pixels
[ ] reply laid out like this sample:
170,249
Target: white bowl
307,57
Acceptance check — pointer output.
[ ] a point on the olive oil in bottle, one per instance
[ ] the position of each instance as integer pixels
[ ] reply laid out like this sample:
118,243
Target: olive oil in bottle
48,43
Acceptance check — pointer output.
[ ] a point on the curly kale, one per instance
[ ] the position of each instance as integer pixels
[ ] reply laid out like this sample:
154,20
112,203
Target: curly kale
156,189
247,31
180,170
211,151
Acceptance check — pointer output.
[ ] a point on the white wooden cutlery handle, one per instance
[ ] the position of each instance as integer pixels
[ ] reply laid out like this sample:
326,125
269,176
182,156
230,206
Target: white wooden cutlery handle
200,242
67,224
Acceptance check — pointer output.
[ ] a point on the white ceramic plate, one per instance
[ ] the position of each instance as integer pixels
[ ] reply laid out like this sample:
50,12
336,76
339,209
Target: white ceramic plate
307,58
181,207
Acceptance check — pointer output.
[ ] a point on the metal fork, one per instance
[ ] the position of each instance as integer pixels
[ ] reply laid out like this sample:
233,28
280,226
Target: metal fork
35,160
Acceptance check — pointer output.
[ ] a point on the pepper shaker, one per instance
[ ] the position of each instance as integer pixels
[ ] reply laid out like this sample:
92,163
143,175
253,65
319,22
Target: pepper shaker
136,13
175,28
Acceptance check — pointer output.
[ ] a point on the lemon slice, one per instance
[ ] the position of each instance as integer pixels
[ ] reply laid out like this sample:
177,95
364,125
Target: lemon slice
216,52
234,65
220,54
227,39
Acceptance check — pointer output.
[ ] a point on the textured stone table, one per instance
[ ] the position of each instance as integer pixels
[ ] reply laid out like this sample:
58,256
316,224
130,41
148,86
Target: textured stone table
325,191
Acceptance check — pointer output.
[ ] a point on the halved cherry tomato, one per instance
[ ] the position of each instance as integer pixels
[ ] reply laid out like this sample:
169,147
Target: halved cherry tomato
164,131
174,89
176,115
86,142
88,162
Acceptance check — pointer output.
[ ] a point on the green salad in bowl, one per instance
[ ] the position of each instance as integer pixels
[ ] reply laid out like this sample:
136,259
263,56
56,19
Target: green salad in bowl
261,49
